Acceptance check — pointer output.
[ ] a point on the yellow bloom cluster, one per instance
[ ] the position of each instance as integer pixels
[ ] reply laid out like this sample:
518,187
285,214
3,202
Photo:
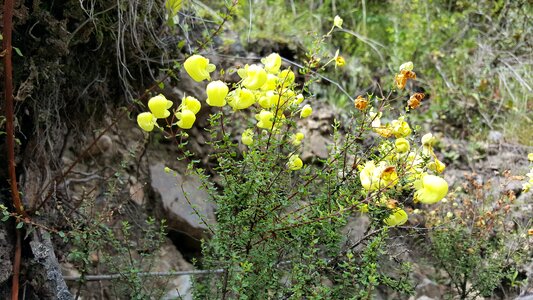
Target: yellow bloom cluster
266,87
414,166
159,109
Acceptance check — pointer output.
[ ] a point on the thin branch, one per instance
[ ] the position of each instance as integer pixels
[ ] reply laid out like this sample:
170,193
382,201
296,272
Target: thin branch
142,274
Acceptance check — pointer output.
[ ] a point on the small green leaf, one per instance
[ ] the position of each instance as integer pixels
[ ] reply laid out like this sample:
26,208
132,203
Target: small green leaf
19,225
17,50
5,218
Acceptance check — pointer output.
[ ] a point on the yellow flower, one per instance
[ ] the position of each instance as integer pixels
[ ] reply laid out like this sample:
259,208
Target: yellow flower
373,177
400,128
286,78
270,83
268,100
294,163
405,74
408,66
415,99
337,21
253,76
265,118
361,103
428,139
216,93
307,110
159,106
191,104
437,166
397,218
247,137
339,61
402,145
297,138
363,208
272,63
530,157
388,177
186,119
298,99
241,98
431,189
146,121
198,67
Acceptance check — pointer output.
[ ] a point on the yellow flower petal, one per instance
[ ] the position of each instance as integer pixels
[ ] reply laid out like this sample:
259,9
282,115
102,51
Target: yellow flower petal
294,163
146,121
402,145
397,218
198,67
241,98
307,110
408,66
216,93
432,189
191,104
254,77
186,119
272,63
337,21
265,118
247,137
159,106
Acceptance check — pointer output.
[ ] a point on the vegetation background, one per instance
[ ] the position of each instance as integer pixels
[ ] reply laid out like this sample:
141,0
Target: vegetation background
82,70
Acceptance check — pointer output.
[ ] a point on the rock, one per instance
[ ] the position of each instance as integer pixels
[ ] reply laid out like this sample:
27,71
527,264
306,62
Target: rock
316,146
137,193
45,269
424,298
169,259
495,136
182,198
429,289
356,228
6,251
525,297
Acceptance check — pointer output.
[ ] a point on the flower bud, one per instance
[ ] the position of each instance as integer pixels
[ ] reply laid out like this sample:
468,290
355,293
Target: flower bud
294,163
307,110
402,145
337,21
247,137
297,138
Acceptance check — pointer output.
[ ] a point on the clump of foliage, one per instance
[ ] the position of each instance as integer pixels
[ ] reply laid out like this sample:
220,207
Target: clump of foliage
476,240
279,221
